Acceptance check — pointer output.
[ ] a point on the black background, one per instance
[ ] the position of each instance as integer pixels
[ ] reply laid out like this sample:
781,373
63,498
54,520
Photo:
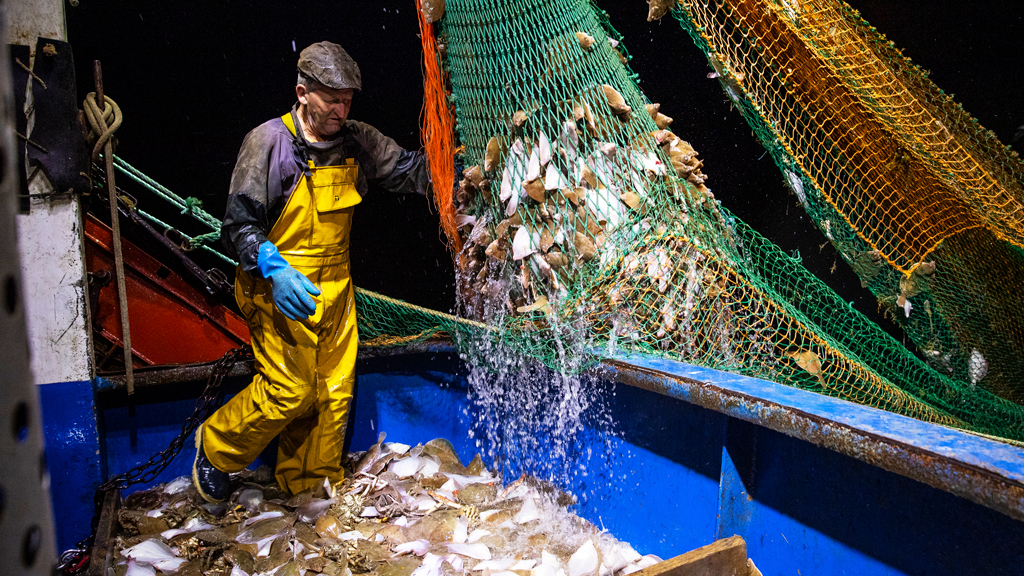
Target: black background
192,78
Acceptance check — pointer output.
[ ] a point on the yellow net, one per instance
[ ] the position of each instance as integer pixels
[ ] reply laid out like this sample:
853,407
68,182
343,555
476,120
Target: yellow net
923,202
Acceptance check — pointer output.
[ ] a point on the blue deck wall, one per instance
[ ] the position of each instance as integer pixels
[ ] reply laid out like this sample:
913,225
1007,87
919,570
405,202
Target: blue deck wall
674,476
73,458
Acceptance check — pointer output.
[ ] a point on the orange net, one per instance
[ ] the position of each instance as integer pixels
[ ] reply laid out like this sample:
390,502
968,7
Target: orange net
925,204
437,131
911,179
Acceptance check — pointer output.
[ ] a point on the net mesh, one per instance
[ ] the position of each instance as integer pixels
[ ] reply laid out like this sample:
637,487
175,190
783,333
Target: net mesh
922,202
585,224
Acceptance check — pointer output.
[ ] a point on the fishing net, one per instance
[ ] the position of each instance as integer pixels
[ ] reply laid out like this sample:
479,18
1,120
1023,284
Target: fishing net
922,202
587,228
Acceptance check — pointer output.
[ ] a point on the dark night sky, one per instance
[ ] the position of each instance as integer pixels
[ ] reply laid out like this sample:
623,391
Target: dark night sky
193,78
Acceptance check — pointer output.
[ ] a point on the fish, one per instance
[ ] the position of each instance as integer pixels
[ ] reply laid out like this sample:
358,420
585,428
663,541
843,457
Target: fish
495,251
513,204
480,234
371,455
616,102
630,199
977,366
582,111
553,179
506,184
556,259
547,240
533,165
658,8
524,243
585,248
541,303
659,268
809,361
492,154
660,120
589,177
433,10
474,175
544,149
266,529
519,118
535,189
586,41
585,561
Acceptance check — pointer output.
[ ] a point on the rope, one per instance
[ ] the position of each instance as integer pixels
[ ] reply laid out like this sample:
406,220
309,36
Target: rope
426,311
192,206
103,124
196,241
437,131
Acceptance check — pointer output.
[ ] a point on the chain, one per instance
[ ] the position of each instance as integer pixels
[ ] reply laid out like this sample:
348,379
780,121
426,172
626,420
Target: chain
75,561
205,405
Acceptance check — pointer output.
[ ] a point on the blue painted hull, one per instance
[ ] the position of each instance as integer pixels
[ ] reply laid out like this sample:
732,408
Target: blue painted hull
685,462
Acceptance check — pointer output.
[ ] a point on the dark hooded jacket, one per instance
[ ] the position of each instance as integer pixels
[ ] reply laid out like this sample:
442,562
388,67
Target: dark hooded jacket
271,161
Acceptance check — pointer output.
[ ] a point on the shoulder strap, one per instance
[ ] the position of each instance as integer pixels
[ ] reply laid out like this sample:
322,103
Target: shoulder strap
289,122
302,157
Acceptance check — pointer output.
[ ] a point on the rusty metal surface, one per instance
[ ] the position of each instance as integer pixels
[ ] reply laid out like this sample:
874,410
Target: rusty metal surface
977,469
173,323
150,376
100,560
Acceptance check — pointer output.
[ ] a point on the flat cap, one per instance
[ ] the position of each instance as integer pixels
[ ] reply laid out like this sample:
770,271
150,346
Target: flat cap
329,64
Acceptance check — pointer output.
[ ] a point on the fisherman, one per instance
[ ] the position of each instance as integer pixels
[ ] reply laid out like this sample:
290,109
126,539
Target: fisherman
288,217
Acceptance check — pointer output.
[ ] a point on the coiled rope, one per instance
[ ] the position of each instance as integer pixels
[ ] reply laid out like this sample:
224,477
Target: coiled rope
102,122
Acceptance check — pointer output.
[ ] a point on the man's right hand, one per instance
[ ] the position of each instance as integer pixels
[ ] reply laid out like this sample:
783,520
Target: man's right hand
291,288
291,293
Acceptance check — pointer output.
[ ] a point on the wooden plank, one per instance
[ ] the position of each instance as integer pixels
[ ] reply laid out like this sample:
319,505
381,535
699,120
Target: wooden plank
725,557
105,527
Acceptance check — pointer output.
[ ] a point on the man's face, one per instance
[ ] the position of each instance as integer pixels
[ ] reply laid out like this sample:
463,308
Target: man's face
327,108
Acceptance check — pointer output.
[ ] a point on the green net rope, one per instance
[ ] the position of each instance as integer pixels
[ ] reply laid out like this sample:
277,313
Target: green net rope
591,226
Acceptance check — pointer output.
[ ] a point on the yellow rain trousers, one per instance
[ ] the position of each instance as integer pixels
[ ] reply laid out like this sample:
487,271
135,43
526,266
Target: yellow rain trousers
305,370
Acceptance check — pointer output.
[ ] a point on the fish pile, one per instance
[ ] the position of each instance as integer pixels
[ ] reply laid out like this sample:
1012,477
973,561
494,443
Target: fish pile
401,511
559,204
563,187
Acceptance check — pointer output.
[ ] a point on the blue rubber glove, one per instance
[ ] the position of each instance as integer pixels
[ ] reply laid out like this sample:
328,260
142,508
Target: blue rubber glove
291,287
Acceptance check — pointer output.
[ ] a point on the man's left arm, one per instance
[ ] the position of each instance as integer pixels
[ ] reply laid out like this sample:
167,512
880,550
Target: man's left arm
389,165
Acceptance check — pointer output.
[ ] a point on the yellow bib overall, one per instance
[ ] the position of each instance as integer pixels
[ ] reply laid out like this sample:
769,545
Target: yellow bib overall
305,370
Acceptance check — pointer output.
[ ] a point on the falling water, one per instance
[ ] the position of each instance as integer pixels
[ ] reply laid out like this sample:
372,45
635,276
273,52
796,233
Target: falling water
552,422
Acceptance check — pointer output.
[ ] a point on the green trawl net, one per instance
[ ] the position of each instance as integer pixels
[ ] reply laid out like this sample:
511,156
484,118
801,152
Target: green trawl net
925,205
588,227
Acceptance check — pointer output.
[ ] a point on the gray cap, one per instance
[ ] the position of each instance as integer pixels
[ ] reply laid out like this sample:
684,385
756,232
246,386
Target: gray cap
329,64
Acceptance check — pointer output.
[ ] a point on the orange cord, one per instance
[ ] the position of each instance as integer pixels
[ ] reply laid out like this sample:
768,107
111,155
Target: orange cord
437,131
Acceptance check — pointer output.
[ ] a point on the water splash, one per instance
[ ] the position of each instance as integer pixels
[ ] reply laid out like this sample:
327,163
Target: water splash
552,422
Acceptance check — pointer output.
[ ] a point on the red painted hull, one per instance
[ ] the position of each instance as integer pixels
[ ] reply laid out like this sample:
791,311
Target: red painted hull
170,321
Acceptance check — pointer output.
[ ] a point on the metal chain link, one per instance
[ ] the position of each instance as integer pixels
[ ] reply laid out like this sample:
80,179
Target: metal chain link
205,405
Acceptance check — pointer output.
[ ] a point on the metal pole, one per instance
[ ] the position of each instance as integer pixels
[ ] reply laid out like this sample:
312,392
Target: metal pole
26,526
115,227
